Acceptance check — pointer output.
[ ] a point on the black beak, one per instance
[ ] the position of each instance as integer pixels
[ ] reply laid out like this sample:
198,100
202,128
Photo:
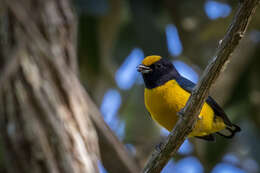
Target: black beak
143,69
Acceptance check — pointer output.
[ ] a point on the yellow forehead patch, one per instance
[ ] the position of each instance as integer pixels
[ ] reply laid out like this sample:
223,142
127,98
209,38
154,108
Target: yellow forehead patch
149,60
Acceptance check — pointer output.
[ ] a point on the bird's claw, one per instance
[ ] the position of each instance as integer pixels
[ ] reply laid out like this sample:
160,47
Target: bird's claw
159,146
180,114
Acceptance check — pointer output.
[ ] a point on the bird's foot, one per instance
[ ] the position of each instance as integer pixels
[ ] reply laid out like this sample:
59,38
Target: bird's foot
181,114
159,147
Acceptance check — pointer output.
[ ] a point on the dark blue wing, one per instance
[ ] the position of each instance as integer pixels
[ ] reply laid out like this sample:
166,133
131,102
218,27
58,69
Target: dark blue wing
218,110
188,86
185,84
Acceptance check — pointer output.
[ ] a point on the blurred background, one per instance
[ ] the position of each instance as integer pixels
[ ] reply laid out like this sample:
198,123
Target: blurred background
113,38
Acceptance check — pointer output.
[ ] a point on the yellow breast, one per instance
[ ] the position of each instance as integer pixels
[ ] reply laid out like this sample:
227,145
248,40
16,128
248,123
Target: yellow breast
165,101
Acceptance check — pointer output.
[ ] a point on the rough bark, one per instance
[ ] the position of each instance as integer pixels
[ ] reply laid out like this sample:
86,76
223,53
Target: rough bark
192,108
44,117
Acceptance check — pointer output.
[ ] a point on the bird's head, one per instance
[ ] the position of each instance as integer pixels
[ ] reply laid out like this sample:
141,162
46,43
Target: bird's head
156,71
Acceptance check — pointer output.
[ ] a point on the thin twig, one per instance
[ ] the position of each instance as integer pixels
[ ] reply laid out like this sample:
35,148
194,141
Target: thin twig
189,114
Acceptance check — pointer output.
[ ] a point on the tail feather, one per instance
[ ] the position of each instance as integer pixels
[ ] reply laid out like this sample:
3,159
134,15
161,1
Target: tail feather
232,130
210,138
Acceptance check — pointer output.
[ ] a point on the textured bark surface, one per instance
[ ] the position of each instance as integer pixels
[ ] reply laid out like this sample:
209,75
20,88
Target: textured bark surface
44,117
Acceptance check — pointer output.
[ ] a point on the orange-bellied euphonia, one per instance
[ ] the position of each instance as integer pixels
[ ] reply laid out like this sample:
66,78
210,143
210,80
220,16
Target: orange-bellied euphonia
166,93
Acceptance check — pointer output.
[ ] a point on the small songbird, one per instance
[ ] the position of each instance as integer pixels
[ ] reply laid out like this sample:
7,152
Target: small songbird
166,93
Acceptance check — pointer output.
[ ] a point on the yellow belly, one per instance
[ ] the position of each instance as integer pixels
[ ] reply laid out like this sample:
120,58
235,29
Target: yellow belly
165,101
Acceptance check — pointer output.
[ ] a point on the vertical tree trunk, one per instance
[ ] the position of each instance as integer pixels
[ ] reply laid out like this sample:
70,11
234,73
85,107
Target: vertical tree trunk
44,118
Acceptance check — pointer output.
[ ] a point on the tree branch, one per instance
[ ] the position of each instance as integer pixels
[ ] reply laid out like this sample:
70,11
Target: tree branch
189,114
45,124
114,155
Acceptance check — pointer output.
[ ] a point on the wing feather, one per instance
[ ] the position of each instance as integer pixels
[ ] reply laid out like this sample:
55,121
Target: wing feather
189,85
218,111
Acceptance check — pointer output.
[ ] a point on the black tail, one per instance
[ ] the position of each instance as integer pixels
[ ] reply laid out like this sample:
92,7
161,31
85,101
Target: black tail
232,130
210,138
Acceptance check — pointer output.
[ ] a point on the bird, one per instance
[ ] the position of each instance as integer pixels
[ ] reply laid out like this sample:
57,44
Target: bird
166,93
